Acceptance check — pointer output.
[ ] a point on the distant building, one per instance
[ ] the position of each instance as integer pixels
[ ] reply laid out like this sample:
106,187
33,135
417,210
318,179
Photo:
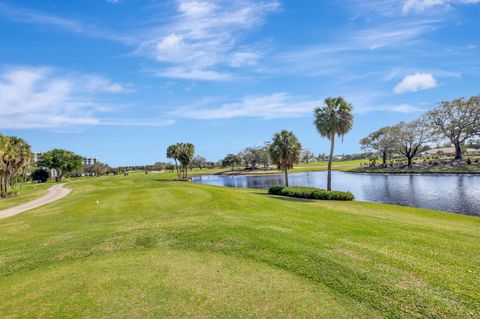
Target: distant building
85,160
89,161
36,156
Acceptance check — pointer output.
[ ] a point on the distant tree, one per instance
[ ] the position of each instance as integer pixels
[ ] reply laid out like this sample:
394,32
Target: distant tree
307,156
381,141
264,155
335,118
61,161
231,160
411,138
285,151
96,169
15,156
457,120
199,162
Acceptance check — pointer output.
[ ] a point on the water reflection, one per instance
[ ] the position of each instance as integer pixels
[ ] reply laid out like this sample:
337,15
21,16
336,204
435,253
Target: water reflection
453,193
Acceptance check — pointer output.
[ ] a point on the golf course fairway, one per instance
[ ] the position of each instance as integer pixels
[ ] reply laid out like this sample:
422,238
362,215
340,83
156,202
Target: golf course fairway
144,246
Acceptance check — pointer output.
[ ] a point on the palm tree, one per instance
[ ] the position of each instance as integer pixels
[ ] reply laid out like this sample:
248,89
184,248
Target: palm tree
335,118
186,152
173,152
285,151
15,155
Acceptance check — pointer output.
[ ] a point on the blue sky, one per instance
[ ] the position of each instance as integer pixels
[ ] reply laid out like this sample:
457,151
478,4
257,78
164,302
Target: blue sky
123,79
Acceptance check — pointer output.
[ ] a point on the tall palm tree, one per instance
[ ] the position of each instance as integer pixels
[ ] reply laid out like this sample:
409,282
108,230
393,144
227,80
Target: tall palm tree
173,152
334,118
285,151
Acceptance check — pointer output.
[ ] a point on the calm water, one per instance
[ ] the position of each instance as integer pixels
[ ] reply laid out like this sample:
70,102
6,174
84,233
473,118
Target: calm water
451,193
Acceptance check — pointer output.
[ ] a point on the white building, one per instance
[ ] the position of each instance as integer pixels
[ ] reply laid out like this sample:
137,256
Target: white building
36,156
89,160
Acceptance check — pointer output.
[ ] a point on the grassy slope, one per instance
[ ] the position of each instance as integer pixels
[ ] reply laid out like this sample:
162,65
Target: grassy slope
26,193
156,248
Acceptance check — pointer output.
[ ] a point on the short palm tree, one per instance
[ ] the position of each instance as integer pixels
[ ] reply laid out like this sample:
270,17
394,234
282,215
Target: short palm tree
334,118
285,151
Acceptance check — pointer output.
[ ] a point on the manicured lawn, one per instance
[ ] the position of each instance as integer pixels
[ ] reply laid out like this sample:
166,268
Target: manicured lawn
300,167
26,193
157,248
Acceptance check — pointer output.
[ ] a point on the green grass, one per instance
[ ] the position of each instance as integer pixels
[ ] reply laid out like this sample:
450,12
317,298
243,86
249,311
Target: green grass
300,167
157,248
26,193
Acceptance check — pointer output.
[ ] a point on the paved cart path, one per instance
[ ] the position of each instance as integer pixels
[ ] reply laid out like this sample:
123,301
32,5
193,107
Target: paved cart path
54,193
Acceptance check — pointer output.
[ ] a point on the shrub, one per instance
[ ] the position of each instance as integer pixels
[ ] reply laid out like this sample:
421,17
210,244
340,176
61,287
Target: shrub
469,161
310,193
40,175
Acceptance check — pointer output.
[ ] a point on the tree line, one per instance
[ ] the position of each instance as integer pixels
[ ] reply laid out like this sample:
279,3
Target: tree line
456,122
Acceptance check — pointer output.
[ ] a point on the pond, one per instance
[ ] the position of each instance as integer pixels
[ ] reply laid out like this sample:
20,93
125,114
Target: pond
451,193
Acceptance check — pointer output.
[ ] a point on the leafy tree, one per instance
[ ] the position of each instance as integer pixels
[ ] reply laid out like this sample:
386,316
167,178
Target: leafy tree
307,156
97,169
457,120
411,138
334,118
199,161
232,160
62,161
285,151
15,156
382,141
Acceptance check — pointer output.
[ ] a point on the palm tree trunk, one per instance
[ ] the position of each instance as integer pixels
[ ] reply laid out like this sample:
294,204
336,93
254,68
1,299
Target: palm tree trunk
286,177
330,160
176,168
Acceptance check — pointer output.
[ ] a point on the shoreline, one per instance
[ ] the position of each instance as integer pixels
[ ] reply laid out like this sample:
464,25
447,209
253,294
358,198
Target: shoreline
262,173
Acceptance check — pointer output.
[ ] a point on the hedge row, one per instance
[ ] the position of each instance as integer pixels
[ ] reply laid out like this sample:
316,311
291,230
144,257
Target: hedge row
310,193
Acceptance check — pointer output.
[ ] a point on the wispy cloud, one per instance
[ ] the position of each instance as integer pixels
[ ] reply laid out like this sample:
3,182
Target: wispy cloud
29,16
422,5
42,97
284,105
203,38
277,105
391,8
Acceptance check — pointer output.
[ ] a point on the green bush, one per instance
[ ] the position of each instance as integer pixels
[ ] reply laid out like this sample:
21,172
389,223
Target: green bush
40,175
310,193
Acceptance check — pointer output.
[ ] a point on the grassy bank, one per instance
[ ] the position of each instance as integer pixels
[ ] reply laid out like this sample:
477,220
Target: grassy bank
300,167
157,248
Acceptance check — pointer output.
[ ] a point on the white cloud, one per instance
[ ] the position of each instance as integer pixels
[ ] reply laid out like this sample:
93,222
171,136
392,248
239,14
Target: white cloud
403,108
242,58
277,105
423,5
392,8
416,82
205,36
43,97
193,74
